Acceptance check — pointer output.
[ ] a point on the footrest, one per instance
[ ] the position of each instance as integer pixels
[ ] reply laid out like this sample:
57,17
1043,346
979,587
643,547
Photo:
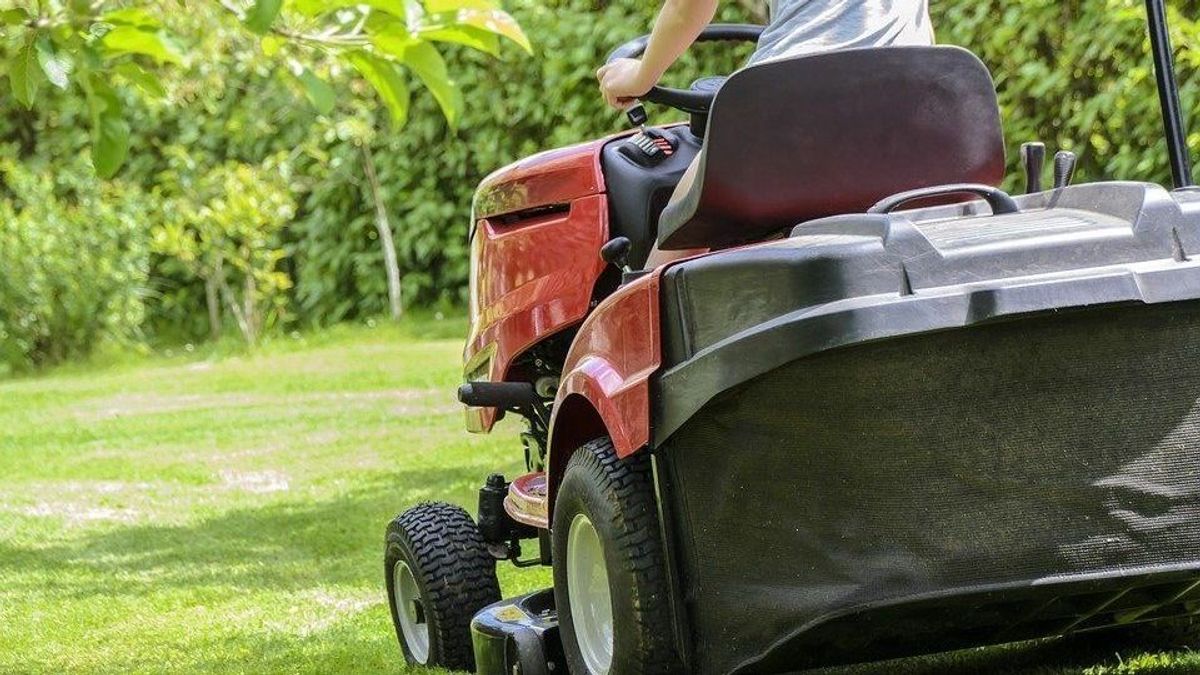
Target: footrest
526,500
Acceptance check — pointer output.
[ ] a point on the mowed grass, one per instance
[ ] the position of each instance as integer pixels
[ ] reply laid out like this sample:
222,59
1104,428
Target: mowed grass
225,513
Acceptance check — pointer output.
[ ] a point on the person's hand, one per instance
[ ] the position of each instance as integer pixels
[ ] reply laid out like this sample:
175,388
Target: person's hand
622,82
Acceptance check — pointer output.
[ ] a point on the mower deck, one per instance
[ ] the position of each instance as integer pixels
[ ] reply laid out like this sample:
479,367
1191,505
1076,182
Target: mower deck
518,636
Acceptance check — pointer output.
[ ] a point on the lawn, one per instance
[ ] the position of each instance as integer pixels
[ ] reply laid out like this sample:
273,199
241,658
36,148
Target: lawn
224,512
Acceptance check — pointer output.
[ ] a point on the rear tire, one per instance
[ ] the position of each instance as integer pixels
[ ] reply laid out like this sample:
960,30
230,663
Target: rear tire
439,574
610,584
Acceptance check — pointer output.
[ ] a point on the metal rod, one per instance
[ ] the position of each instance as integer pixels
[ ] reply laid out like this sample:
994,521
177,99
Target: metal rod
1168,94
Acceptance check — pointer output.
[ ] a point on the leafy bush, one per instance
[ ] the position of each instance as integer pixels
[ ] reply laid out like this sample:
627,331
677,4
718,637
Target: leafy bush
1073,74
223,228
514,107
1077,75
73,263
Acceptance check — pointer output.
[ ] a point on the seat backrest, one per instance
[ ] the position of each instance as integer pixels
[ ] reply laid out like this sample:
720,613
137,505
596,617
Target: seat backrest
830,133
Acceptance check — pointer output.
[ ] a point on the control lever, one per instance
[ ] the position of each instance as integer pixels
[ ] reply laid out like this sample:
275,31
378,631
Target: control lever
637,116
1033,158
1064,168
616,252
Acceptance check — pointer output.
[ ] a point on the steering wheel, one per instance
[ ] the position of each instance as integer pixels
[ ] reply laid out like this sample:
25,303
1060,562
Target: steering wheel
697,100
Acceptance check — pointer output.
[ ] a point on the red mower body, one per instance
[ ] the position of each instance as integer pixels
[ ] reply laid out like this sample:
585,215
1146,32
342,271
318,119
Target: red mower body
538,224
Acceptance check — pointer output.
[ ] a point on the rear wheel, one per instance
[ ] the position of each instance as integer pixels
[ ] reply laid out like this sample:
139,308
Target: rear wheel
610,583
439,574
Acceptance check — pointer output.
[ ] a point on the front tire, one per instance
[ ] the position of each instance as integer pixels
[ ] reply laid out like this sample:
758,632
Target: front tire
439,574
610,584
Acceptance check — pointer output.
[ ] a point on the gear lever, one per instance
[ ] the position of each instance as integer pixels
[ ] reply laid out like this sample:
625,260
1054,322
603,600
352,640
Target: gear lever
616,252
1064,168
637,116
1033,158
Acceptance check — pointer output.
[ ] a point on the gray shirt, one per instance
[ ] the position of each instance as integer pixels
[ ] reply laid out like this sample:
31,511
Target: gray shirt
807,26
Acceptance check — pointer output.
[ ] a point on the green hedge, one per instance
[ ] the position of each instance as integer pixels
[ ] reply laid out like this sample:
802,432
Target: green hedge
1075,75
74,258
1070,73
515,106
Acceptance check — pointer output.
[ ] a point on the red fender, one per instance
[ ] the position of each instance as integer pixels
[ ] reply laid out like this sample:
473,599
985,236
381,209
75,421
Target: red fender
605,388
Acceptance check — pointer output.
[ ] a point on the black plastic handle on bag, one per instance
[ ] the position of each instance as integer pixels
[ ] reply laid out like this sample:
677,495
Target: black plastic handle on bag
996,198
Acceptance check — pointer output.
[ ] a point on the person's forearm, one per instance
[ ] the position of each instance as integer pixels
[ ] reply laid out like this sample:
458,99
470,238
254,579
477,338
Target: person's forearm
677,26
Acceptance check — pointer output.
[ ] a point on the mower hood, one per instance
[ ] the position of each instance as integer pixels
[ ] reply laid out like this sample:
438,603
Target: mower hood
548,179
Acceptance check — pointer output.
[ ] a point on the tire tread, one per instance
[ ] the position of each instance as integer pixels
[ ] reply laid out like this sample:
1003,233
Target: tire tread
629,484
458,575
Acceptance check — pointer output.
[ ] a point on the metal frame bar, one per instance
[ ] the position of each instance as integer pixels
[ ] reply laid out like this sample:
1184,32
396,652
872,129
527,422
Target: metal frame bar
1168,94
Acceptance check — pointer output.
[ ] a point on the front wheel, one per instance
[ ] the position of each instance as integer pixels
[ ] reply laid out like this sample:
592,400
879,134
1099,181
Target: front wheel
439,574
610,582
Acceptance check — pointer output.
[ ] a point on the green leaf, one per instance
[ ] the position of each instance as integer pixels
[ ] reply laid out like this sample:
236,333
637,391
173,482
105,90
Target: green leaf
24,75
437,6
130,40
423,59
319,93
271,44
110,131
57,67
385,77
475,38
262,15
495,21
319,7
132,16
14,17
144,80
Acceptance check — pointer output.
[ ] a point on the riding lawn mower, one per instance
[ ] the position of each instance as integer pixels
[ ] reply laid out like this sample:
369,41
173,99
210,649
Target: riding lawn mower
883,408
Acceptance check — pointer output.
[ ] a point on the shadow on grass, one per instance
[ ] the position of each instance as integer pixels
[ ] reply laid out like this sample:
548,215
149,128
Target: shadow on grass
278,547
295,546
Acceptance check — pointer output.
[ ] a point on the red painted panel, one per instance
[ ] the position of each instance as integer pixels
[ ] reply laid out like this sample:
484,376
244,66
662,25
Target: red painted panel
526,500
610,363
529,281
533,277
551,177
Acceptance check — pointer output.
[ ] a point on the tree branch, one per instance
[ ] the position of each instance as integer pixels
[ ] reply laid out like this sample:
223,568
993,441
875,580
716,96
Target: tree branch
384,228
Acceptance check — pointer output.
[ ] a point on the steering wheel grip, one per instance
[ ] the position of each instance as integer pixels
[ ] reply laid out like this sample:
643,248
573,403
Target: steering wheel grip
689,101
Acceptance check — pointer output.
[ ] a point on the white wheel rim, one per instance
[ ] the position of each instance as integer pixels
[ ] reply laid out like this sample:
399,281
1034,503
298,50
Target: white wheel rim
589,595
411,610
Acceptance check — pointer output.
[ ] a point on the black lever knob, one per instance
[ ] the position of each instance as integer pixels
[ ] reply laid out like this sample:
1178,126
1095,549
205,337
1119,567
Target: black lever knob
1064,168
616,252
1033,158
637,115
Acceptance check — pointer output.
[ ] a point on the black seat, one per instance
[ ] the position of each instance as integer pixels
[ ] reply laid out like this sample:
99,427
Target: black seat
814,136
